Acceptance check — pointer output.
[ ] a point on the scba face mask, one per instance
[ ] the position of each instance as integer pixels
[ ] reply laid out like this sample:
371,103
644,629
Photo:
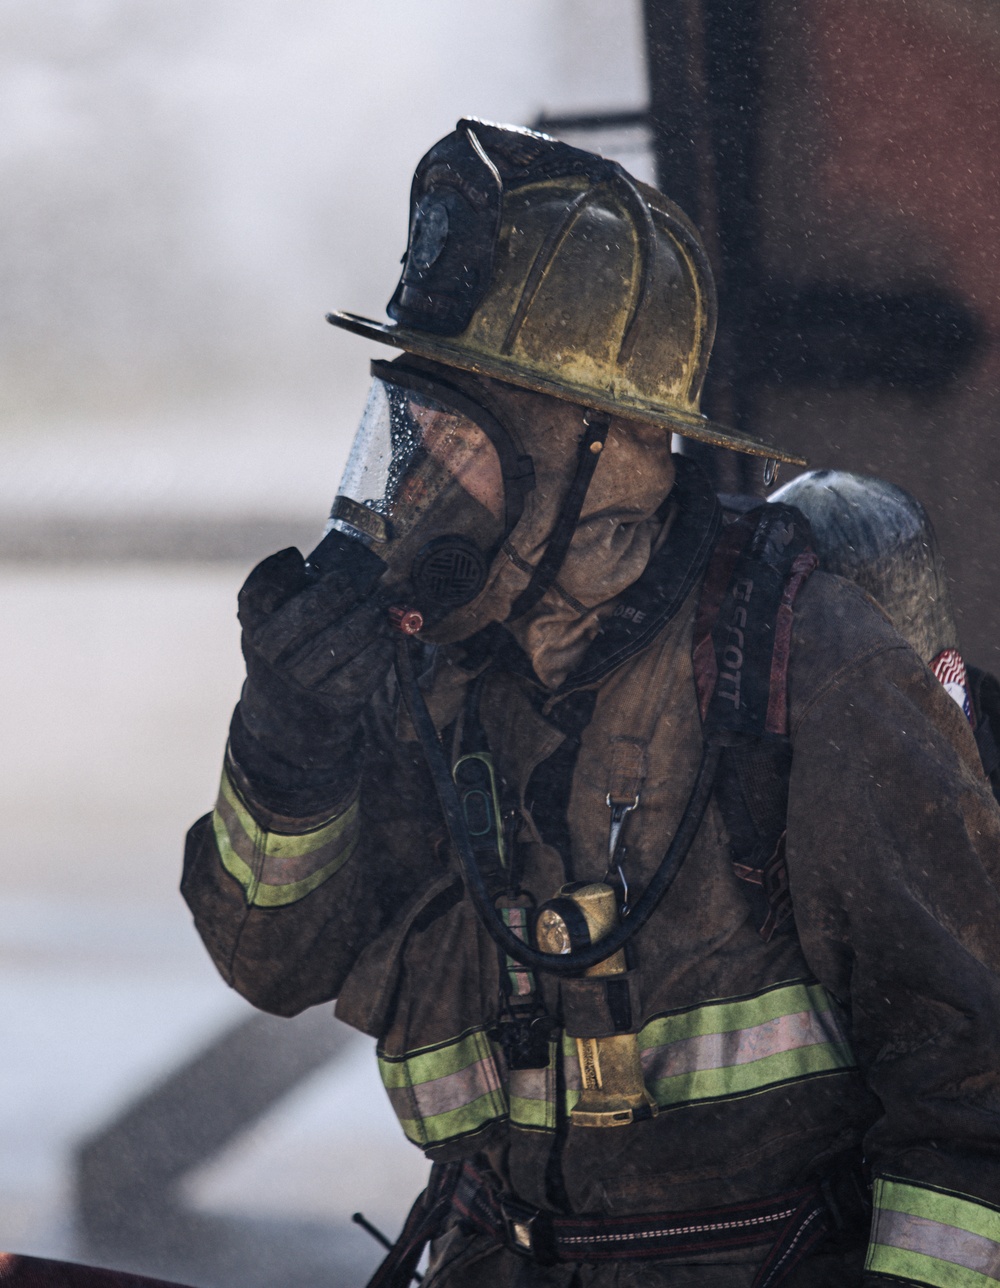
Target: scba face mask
433,485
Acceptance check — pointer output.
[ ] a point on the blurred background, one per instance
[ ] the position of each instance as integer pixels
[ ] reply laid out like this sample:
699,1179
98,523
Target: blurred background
185,189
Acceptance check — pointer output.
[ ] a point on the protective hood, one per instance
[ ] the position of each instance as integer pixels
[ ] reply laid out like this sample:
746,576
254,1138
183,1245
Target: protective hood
624,518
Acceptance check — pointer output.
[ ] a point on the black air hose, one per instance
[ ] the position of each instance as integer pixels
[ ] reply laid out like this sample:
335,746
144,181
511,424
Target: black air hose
580,959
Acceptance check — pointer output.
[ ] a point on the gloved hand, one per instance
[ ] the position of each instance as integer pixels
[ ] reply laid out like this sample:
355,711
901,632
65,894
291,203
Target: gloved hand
315,652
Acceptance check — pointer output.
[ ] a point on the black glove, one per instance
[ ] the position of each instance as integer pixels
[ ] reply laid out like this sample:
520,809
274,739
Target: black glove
315,651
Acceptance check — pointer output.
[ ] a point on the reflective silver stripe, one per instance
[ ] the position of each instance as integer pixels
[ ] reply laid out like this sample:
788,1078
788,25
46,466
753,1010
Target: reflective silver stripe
531,1084
522,980
945,1242
722,1050
934,1237
279,868
452,1091
732,1047
739,1046
533,1095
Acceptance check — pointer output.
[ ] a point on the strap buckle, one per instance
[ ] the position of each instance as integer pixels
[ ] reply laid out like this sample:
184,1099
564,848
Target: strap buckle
528,1231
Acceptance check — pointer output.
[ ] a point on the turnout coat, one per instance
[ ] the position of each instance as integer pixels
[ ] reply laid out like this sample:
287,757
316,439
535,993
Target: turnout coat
867,1029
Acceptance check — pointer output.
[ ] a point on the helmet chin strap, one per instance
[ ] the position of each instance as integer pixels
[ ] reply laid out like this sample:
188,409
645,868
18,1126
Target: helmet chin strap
597,424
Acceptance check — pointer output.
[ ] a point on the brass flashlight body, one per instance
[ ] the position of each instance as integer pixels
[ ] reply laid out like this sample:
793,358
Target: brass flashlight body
613,1091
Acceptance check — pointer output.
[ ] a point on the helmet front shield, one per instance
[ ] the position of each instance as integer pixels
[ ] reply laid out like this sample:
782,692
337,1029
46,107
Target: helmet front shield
551,268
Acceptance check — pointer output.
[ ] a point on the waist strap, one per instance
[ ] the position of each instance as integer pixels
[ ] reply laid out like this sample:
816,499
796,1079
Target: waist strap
789,1225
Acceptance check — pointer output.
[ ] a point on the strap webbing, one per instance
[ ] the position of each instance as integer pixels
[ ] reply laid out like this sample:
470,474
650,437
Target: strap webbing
741,653
788,1225
744,626
424,1222
547,569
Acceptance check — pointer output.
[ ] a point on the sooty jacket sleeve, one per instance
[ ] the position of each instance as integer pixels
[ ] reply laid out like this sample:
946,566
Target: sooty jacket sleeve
285,905
894,857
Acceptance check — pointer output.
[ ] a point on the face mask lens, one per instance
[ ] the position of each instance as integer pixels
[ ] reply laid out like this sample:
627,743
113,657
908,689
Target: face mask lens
360,505
416,472
453,452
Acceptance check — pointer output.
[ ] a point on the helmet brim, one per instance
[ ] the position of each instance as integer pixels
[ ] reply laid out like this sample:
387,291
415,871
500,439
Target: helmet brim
455,355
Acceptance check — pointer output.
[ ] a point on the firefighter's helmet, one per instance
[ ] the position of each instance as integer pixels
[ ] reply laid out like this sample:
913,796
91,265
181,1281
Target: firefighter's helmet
553,269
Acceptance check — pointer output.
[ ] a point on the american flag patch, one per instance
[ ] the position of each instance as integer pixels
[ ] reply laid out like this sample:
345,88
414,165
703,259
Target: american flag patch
949,669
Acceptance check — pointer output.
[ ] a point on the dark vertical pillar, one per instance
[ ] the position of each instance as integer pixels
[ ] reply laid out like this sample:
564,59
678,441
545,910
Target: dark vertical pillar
677,102
705,76
734,75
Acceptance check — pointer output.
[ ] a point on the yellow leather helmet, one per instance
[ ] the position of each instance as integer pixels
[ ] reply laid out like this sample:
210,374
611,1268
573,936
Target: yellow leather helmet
553,269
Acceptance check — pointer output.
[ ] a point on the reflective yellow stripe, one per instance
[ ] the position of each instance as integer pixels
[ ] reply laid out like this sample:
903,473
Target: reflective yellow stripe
932,1236
533,1095
278,868
742,1046
442,1092
727,1048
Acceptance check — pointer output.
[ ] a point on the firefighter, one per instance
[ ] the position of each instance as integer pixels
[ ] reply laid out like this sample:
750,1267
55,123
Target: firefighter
658,863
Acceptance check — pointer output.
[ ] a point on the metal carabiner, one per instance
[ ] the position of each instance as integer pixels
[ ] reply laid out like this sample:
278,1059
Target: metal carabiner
623,906
619,813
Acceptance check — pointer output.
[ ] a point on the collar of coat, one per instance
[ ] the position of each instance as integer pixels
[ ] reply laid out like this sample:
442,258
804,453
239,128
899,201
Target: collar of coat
646,606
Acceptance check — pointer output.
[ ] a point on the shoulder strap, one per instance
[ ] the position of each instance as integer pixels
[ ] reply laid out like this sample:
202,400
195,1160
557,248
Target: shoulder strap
743,630
742,642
